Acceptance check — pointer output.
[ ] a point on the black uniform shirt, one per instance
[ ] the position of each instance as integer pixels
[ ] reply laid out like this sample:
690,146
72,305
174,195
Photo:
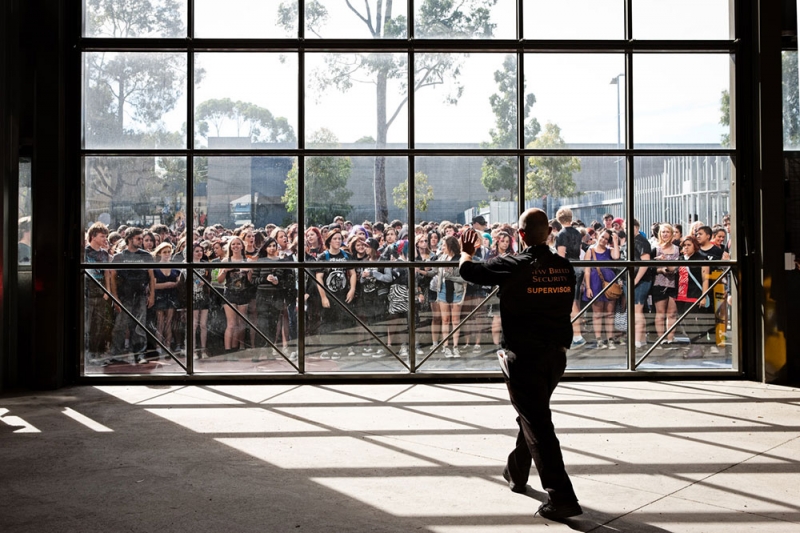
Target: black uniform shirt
536,294
570,238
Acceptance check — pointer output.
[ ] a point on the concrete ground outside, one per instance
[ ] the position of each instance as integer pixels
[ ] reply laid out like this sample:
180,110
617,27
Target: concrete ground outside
644,457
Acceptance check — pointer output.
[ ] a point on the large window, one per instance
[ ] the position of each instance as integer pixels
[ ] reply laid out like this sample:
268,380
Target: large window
247,149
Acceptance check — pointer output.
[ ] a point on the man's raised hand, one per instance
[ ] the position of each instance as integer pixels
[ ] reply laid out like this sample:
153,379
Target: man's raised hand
470,240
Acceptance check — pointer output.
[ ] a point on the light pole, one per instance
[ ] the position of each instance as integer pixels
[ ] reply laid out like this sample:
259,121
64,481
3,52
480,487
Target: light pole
616,81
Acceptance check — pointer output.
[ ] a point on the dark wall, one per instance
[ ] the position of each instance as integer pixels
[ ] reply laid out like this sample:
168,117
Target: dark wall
33,123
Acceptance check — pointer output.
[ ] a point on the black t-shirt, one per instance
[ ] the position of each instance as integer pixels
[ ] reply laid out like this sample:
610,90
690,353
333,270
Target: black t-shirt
335,280
641,246
713,253
536,294
570,238
132,280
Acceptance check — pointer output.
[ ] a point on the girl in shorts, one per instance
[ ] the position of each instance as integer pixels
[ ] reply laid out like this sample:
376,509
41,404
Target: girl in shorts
450,289
201,300
665,284
237,293
166,300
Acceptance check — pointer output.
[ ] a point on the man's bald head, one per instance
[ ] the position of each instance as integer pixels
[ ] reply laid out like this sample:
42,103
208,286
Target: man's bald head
533,223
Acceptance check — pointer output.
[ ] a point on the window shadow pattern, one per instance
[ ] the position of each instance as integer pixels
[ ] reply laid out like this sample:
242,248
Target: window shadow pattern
381,451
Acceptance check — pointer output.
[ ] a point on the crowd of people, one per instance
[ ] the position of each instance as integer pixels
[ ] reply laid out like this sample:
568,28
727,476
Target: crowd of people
139,314
665,292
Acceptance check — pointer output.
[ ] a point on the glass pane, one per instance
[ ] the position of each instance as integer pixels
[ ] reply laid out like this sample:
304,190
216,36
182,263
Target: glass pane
682,100
461,104
335,341
791,101
681,19
147,333
574,19
356,101
469,19
683,204
245,100
244,19
704,338
24,214
142,192
582,94
262,335
124,19
600,334
593,188
585,199
473,345
467,187
459,189
231,192
340,192
333,19
687,193
134,100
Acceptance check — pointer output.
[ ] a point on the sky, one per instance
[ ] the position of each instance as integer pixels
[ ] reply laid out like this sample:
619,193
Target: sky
676,97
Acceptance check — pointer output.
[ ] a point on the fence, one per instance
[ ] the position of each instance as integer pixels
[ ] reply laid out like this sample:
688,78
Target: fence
689,188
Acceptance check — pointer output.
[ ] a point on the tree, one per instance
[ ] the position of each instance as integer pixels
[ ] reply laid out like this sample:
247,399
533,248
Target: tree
125,89
436,18
423,193
126,95
252,121
326,191
143,185
499,173
725,117
135,18
550,176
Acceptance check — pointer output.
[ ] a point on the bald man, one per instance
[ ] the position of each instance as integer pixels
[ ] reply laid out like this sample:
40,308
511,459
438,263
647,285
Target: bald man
536,293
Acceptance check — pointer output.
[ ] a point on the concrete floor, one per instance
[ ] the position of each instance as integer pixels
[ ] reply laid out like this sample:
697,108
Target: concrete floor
643,456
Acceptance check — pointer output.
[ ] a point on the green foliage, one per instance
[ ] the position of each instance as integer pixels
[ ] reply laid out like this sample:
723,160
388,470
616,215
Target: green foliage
288,14
551,175
200,169
725,116
326,193
252,121
466,19
140,88
499,173
135,18
423,193
139,185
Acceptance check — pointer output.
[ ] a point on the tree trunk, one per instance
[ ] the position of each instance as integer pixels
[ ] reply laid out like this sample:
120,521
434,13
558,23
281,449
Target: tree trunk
120,107
379,178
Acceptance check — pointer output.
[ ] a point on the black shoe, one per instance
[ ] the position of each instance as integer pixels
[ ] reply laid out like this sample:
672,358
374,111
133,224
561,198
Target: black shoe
556,512
519,489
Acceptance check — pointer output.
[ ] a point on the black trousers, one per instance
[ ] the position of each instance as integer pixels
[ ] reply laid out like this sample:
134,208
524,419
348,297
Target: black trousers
533,376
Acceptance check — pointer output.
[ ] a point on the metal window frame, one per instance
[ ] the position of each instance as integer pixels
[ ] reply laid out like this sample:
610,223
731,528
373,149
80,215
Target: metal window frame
627,47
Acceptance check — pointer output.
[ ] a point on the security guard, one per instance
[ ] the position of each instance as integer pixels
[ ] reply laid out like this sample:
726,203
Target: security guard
536,293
